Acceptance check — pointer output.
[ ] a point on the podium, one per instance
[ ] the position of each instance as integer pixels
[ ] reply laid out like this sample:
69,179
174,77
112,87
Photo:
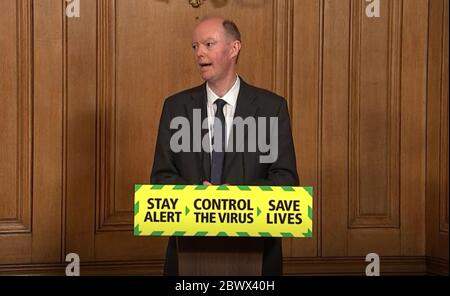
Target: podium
220,256
223,230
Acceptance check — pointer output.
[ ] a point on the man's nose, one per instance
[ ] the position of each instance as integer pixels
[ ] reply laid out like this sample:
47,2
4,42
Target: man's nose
199,51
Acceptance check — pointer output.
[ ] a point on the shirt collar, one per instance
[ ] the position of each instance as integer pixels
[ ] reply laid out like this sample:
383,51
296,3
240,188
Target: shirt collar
230,97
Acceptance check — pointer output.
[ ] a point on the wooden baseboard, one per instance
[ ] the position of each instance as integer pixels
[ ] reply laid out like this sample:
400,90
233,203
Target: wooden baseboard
354,266
292,266
152,268
437,266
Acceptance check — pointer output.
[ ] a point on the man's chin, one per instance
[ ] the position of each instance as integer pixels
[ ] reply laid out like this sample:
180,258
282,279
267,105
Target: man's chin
206,77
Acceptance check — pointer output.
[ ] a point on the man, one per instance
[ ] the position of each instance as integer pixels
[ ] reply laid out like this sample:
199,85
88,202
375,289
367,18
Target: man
216,45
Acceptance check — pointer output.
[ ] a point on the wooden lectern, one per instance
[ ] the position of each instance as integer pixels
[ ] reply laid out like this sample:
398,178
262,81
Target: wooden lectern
220,256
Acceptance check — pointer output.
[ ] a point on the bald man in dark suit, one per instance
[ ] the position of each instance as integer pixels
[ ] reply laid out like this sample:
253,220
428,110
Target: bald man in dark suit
216,45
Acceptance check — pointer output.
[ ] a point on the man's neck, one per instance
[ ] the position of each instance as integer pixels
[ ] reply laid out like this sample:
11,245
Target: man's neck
222,87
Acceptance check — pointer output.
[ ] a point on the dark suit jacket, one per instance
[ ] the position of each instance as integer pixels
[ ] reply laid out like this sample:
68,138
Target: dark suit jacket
240,168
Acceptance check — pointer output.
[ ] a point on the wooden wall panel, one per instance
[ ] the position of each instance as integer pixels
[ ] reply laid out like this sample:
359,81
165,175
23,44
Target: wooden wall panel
16,125
80,59
306,105
15,132
374,116
412,122
334,130
373,88
30,226
374,130
8,128
437,134
444,196
81,98
48,154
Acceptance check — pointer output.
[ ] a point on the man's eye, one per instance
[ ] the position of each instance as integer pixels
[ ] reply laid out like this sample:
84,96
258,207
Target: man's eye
194,47
209,44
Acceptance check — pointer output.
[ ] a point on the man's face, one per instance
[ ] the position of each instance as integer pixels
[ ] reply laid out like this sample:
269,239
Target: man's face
213,50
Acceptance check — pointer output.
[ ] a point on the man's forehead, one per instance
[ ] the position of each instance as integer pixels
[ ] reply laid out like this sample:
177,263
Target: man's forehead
210,22
208,29
207,36
204,38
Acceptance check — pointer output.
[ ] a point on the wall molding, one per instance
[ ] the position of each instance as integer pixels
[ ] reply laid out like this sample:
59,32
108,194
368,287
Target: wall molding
21,223
436,195
354,266
418,265
151,267
107,217
443,152
283,21
391,217
437,266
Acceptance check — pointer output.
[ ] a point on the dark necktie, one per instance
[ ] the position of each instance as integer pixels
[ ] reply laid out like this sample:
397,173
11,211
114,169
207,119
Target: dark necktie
218,146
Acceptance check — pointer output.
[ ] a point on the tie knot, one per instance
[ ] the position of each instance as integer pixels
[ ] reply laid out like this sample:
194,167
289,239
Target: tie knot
220,104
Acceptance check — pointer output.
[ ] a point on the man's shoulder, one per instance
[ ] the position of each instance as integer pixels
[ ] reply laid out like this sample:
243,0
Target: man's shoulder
181,96
265,96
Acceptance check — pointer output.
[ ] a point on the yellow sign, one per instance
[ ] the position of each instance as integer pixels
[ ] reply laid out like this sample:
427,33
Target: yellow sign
197,210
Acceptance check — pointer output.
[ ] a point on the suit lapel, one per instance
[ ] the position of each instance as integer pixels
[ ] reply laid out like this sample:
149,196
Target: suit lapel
245,107
199,102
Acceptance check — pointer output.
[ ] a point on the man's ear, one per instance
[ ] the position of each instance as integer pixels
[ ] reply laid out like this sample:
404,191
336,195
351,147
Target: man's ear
235,48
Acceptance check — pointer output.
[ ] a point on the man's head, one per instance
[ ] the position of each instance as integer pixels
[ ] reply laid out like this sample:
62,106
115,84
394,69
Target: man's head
216,43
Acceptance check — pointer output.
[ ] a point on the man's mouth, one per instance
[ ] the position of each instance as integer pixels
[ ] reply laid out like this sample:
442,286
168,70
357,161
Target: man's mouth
205,65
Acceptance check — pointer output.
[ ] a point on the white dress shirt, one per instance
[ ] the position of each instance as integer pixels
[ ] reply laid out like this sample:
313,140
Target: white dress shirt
231,98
